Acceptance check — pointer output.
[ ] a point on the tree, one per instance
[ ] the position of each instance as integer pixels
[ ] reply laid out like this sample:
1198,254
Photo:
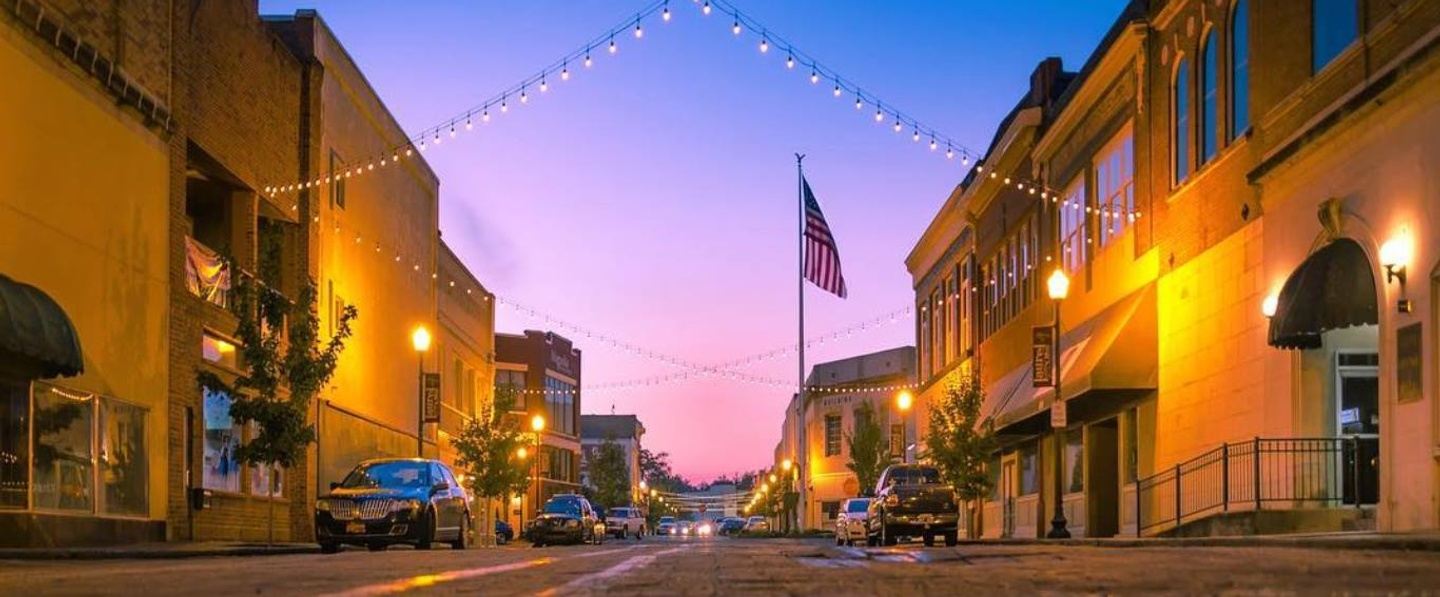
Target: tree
655,469
609,475
869,450
960,443
488,449
280,349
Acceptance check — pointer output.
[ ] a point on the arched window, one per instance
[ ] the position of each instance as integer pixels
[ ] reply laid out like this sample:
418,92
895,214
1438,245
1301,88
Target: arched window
1335,24
1209,130
1180,120
1239,69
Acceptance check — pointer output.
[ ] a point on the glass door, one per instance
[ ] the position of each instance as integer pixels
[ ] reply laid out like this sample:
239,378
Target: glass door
1357,410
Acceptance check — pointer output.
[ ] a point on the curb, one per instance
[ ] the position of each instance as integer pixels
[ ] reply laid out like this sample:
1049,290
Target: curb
153,554
1397,543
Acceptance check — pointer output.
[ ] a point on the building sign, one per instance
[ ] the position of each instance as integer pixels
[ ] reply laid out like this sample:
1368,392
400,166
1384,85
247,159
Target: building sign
1409,366
430,402
1042,356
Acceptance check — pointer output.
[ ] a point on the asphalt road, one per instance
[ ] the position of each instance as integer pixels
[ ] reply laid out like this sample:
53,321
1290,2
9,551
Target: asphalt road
674,566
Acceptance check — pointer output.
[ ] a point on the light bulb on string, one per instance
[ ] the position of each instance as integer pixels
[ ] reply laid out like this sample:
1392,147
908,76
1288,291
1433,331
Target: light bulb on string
916,136
665,14
859,103
897,126
565,72
504,104
736,27
639,33
949,153
524,99
613,47
789,62
485,114
879,115
764,45
588,62
437,142
452,130
814,77
837,90
706,9
469,125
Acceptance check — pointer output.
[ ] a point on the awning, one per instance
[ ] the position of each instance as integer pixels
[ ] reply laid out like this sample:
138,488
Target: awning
1112,352
35,333
1333,288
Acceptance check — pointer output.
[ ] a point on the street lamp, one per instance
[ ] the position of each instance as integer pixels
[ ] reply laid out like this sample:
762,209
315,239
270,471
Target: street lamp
788,464
1058,286
537,423
420,339
903,401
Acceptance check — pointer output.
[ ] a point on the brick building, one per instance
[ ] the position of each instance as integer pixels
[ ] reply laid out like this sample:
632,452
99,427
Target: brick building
1228,361
544,368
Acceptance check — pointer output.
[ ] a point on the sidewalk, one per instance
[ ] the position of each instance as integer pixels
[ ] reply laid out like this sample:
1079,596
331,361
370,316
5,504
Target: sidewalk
171,550
1422,541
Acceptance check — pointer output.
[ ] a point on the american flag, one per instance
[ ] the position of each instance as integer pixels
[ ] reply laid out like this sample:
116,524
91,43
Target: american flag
822,259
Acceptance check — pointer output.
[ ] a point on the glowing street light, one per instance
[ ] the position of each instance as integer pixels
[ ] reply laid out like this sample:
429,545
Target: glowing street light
788,464
1058,286
420,341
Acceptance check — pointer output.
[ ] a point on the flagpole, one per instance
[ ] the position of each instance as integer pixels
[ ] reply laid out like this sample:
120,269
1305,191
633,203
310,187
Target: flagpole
802,453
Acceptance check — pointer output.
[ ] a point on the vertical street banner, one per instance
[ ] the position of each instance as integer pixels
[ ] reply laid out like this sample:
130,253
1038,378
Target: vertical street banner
1042,357
430,405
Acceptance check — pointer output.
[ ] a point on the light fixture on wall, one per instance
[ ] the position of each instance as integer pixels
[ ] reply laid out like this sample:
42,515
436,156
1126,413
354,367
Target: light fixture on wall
1395,256
1269,305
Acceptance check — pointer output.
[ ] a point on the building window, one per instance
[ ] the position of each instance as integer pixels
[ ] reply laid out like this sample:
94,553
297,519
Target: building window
967,305
560,406
831,510
514,380
64,454
937,330
897,440
832,435
1029,474
1072,226
219,351
1074,457
1208,98
14,444
992,470
337,186
1180,120
1239,69
1115,185
925,350
222,439
1335,26
123,467
952,314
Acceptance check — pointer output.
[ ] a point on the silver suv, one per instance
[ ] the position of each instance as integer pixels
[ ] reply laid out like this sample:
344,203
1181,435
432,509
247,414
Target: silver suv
625,521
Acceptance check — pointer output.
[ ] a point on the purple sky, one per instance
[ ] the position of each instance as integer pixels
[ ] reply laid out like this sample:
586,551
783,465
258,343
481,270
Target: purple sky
652,197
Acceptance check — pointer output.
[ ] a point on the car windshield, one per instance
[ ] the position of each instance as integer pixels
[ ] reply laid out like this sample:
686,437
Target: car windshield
667,520
757,519
620,512
388,475
915,475
857,506
570,507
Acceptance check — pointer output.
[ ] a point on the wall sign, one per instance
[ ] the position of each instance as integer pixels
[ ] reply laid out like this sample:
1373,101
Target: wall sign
1409,370
430,405
1042,356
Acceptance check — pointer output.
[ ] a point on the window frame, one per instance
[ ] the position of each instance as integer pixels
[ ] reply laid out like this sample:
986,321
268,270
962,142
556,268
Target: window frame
838,432
1238,70
1073,251
1209,106
1123,193
1316,66
1181,162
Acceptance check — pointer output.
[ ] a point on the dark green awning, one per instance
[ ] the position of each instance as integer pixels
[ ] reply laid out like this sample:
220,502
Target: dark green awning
35,334
1333,288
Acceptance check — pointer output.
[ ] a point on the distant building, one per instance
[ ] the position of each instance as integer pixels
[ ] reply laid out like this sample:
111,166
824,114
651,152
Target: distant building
836,389
625,431
544,368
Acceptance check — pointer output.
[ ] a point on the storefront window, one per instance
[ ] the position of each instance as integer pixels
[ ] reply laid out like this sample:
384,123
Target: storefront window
14,444
260,475
1029,479
222,439
122,458
1074,469
64,454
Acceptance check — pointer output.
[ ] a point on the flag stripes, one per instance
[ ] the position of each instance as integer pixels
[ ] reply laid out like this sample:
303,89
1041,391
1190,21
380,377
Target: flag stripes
822,259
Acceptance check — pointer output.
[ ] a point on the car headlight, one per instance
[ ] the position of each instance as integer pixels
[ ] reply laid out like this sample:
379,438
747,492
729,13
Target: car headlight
572,523
403,505
322,505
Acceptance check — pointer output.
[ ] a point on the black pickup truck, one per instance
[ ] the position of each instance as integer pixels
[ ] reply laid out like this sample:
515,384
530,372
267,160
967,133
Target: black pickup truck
911,501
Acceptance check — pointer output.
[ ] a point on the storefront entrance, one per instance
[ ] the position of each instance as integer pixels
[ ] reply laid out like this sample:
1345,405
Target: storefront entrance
1102,479
1357,400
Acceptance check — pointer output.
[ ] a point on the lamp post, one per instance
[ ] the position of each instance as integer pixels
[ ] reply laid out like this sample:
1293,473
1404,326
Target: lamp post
537,424
420,340
903,401
1058,286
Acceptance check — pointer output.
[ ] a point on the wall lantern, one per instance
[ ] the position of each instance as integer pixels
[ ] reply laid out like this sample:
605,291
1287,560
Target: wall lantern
1395,255
1269,306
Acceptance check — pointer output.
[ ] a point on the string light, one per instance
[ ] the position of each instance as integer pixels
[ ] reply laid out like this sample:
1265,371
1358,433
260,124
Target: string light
764,45
789,62
665,14
639,33
706,9
736,28
613,47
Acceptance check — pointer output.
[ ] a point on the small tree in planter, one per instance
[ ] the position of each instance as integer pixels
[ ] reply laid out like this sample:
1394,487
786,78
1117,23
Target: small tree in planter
280,348
488,449
869,451
960,444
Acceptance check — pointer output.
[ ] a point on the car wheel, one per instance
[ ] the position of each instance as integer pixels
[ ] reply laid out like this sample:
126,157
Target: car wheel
839,539
640,534
887,537
327,547
427,531
463,539
952,538
929,539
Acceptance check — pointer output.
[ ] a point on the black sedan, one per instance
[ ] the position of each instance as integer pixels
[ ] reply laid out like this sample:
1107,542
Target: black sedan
503,533
389,501
567,519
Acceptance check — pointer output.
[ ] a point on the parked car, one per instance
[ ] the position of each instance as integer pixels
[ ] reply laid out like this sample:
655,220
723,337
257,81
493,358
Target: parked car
850,523
394,500
620,522
731,525
911,501
684,528
757,524
666,526
567,518
503,532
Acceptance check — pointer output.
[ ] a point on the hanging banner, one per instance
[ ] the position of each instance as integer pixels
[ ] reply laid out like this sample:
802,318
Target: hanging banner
431,403
206,273
1042,356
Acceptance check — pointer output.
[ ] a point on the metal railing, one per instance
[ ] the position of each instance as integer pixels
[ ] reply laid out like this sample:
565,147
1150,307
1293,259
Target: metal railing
1288,473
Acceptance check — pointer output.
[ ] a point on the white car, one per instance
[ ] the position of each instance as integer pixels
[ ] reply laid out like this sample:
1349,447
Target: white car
623,522
850,523
757,524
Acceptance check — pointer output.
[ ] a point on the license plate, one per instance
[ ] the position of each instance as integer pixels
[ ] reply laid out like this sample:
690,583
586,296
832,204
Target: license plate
355,528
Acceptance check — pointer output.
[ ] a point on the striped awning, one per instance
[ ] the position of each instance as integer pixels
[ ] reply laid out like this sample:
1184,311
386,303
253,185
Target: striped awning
35,334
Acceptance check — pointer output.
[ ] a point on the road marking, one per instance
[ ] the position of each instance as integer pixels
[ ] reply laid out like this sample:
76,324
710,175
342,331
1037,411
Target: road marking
430,580
596,580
